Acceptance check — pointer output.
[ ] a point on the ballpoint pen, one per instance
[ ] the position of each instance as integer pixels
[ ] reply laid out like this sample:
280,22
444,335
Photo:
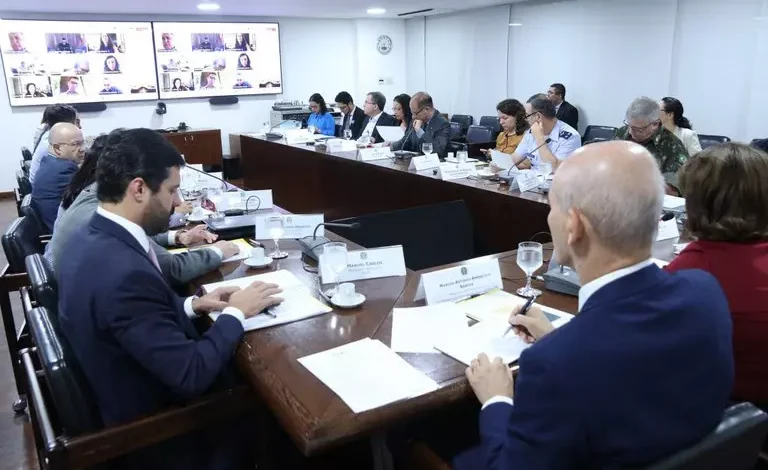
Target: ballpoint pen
523,311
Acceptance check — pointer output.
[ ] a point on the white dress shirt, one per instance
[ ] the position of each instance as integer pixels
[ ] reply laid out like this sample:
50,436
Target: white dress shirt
371,125
141,236
585,293
564,141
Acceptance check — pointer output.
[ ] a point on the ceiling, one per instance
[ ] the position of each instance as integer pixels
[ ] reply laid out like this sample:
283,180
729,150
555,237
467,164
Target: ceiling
280,8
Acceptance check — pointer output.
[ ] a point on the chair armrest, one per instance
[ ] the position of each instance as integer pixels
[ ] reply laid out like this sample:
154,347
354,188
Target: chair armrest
94,448
39,411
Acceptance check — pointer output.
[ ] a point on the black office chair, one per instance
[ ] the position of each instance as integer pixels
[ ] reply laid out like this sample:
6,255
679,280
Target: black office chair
491,122
25,186
464,121
707,141
478,134
21,239
28,210
26,154
44,288
455,130
592,133
25,166
761,144
734,445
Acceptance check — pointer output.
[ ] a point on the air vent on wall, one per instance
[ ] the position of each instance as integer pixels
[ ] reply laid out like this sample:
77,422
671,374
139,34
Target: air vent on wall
417,12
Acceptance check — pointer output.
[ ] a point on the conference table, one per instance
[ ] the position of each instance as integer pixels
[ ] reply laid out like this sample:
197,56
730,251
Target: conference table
312,415
339,185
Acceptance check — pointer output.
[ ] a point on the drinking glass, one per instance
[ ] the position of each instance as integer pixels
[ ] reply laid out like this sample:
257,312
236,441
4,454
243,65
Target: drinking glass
311,129
530,257
276,229
347,134
335,256
545,169
426,148
462,156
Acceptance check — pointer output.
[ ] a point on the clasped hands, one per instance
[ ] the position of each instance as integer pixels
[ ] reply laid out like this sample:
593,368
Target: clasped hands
490,378
200,234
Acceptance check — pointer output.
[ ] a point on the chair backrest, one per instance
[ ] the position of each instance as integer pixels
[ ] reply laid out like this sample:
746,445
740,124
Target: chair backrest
734,445
26,154
464,121
598,132
74,401
45,289
21,239
707,141
478,134
455,130
28,209
24,184
491,122
25,166
431,235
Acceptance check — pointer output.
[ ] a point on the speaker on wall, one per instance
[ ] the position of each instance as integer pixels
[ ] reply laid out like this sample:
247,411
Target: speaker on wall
220,100
89,107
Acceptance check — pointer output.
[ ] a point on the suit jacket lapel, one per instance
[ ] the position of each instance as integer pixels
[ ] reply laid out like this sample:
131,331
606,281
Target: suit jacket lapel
105,225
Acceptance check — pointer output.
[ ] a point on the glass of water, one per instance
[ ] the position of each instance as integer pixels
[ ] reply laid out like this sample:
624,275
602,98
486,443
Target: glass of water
544,169
426,148
462,156
347,134
311,129
276,229
530,257
335,256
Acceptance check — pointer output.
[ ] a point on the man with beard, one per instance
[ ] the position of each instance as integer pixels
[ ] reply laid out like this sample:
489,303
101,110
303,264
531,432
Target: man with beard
132,334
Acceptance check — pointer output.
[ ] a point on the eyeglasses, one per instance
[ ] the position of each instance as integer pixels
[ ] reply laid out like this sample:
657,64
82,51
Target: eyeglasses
640,130
78,143
527,116
417,112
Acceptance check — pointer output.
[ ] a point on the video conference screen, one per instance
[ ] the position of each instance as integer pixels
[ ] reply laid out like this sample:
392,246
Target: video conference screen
49,62
217,59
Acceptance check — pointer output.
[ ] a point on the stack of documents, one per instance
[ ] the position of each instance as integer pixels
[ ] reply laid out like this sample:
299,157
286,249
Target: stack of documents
366,374
416,330
244,247
298,301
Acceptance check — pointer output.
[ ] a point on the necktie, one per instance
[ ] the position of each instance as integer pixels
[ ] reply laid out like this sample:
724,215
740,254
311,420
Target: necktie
153,258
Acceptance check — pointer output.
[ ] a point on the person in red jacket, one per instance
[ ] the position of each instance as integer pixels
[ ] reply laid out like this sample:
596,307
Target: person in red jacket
726,199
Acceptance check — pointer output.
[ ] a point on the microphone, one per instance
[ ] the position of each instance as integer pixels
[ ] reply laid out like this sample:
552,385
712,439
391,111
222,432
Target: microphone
274,135
310,246
529,154
667,216
210,176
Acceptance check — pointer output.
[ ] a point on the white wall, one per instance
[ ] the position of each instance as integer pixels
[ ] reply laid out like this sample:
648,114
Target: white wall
711,54
317,56
415,59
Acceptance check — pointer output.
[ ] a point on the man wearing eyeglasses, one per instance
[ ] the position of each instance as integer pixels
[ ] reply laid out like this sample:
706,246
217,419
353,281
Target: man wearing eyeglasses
427,126
57,167
643,126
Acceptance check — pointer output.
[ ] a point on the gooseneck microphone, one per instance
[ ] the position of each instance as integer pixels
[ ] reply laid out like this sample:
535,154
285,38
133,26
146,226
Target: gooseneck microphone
311,246
529,155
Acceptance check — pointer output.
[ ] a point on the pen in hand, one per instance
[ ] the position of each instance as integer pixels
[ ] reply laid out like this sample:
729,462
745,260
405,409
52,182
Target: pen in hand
523,311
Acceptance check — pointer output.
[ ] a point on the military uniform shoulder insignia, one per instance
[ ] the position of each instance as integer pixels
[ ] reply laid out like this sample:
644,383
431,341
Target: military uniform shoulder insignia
565,135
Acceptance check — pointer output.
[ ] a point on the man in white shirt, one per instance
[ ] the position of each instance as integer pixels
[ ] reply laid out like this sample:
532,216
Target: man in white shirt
644,369
374,109
549,140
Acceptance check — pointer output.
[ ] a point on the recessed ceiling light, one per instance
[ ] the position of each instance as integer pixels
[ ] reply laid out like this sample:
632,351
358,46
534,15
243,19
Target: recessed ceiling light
208,6
515,24
376,11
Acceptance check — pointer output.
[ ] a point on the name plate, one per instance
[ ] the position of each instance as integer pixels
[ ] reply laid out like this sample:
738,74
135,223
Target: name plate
525,180
426,162
298,136
667,229
254,200
339,145
453,171
453,284
294,226
375,153
368,264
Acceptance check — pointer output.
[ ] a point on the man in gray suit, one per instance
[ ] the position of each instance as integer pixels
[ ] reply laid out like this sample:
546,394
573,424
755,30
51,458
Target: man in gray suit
427,125
179,268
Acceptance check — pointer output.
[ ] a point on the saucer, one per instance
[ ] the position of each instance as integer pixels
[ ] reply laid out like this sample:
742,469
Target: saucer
252,263
355,301
486,174
202,218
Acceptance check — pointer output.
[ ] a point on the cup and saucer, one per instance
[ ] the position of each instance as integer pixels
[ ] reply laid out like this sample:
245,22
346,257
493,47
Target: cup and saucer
199,215
346,297
258,259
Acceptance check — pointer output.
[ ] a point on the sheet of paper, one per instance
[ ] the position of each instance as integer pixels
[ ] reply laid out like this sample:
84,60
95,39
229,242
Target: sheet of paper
390,133
667,229
485,337
502,160
244,247
497,305
366,374
678,247
672,203
660,263
415,330
298,301
456,160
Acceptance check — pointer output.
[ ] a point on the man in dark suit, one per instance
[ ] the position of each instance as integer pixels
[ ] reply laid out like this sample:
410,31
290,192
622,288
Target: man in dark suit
566,112
646,367
427,126
132,335
374,110
353,117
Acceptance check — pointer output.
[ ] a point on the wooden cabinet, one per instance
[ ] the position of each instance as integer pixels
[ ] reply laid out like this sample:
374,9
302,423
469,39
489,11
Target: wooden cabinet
199,146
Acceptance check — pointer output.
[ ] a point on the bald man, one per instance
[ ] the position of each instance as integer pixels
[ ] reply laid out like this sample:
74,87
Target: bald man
427,126
57,167
643,371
